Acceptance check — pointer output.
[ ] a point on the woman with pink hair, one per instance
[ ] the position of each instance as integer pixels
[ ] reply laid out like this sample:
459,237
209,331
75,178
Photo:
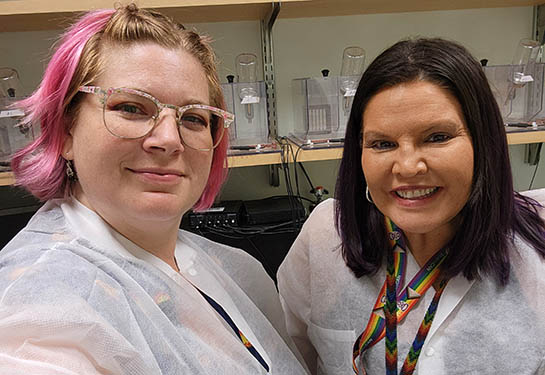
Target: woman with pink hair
134,134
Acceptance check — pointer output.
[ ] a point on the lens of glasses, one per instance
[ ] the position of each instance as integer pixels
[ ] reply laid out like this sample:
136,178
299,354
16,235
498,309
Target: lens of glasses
200,128
131,115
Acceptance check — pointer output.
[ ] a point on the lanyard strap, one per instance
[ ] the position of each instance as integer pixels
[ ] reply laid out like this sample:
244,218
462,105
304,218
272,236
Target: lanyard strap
410,362
221,311
393,304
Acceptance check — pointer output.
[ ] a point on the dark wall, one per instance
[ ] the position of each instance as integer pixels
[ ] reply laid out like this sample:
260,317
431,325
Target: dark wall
16,209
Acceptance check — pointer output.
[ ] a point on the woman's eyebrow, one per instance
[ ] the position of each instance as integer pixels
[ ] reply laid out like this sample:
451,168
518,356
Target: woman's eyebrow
195,101
373,134
186,102
439,124
443,125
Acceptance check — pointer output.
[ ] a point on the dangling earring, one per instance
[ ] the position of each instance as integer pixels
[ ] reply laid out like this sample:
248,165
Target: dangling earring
70,172
368,196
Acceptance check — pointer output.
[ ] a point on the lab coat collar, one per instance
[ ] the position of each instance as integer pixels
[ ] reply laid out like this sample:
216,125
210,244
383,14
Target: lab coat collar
453,294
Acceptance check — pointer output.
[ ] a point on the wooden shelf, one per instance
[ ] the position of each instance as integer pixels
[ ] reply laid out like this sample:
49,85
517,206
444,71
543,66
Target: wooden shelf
30,15
254,160
328,8
304,155
526,137
6,178
319,154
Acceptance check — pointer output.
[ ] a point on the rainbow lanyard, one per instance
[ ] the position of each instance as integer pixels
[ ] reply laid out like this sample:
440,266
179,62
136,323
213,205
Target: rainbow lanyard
393,304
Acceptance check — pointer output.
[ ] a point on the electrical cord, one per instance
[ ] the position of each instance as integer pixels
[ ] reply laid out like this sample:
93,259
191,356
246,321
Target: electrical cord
265,263
265,260
296,163
243,232
311,185
296,196
537,166
294,156
318,191
286,148
306,174
533,177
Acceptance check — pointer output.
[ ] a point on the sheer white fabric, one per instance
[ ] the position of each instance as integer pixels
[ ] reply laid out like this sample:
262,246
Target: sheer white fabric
78,298
479,328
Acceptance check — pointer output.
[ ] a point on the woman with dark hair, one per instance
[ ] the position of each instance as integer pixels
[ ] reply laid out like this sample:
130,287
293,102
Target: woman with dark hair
426,246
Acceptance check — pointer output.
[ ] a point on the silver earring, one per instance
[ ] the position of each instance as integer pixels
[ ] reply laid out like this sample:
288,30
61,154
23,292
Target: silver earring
367,195
72,176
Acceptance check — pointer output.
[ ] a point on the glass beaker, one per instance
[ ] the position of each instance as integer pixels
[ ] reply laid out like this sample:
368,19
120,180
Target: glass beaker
524,60
351,70
10,85
246,65
353,61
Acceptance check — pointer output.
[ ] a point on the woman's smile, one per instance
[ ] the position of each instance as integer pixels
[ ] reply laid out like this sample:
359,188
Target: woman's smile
158,175
418,194
416,198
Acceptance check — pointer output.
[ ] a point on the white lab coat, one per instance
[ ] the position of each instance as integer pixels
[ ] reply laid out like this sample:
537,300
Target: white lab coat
76,297
478,329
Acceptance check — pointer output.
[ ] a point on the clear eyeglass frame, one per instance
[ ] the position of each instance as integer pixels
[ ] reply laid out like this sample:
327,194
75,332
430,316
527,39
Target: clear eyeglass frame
228,118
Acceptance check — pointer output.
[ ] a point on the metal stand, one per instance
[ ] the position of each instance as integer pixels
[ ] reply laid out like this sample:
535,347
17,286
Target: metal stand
268,71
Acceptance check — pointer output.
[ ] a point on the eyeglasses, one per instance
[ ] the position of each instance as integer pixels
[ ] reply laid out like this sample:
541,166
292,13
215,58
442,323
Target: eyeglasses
132,114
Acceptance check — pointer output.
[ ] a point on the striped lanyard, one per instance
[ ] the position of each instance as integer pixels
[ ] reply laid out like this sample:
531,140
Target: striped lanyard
221,311
393,304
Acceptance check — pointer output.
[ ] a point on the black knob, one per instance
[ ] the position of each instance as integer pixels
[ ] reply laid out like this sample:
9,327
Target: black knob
230,78
484,62
325,72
